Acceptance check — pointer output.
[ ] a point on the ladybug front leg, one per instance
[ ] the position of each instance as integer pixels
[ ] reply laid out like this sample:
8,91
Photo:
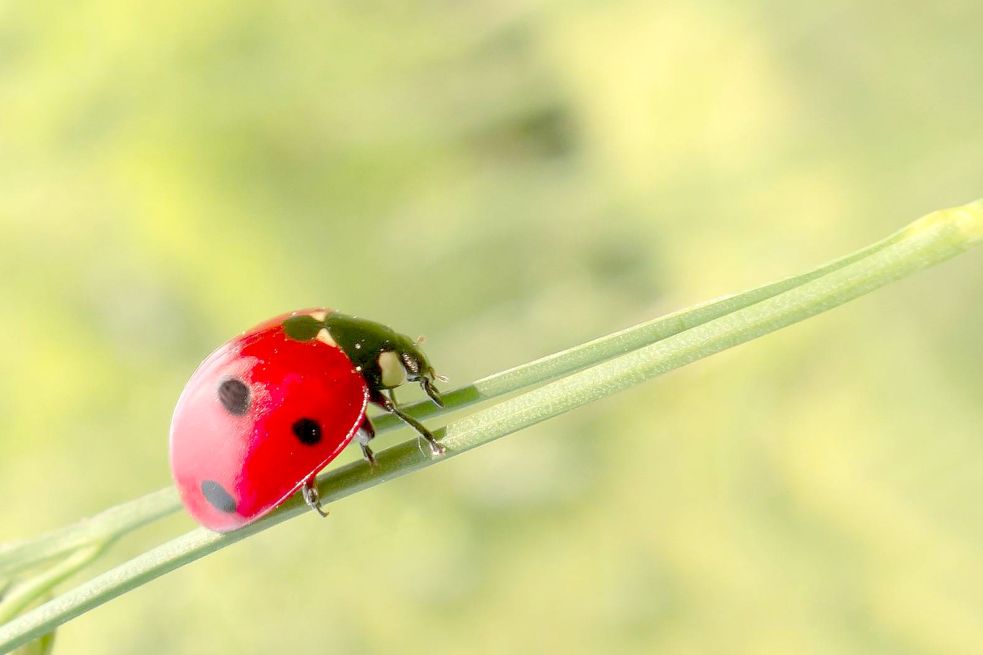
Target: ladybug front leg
388,403
311,496
366,433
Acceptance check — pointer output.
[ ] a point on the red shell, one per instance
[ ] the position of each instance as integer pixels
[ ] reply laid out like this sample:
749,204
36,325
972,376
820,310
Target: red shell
234,460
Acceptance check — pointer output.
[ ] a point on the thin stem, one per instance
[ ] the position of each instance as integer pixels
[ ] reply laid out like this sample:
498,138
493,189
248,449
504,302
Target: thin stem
928,241
113,522
25,593
623,341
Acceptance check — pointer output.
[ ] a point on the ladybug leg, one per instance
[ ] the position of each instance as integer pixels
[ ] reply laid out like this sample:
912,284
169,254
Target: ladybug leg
311,497
366,433
389,404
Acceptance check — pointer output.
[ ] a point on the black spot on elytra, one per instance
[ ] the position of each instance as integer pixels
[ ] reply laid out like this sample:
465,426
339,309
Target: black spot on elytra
308,431
216,494
234,396
302,328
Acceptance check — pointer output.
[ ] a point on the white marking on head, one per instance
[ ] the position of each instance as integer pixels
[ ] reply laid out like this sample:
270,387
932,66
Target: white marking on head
325,337
393,373
319,315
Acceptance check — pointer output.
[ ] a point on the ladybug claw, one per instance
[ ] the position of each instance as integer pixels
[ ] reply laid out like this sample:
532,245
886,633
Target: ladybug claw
428,445
368,455
311,496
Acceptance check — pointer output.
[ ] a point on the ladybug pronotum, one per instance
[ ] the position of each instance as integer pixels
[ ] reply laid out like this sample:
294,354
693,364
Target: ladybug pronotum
270,408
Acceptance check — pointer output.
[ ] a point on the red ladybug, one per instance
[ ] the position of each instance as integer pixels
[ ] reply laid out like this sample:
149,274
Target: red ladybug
269,409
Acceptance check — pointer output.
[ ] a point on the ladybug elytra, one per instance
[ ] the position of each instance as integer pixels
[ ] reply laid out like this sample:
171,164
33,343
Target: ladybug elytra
270,408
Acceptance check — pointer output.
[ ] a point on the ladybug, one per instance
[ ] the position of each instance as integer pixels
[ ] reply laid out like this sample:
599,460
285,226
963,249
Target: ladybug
270,408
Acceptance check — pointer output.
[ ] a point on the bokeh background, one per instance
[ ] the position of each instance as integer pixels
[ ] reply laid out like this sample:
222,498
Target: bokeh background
509,178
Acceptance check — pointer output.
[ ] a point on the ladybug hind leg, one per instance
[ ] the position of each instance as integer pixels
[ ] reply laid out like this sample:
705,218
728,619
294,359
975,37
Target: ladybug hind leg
365,434
388,403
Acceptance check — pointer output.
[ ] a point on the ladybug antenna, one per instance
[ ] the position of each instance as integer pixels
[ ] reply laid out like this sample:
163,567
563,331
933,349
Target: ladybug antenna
420,339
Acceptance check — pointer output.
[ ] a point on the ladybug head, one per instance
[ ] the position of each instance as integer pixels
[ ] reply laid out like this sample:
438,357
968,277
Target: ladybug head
417,368
385,357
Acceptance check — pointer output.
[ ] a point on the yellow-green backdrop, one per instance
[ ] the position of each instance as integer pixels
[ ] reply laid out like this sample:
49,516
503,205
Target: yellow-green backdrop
509,178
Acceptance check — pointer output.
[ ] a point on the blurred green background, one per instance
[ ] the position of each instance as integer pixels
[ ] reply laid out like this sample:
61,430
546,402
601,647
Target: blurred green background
509,178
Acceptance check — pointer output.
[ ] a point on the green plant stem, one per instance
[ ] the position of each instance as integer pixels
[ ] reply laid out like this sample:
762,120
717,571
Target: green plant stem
623,341
23,594
113,522
930,240
127,517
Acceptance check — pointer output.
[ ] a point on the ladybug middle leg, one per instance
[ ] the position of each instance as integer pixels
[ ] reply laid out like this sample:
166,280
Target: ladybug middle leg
388,403
366,433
